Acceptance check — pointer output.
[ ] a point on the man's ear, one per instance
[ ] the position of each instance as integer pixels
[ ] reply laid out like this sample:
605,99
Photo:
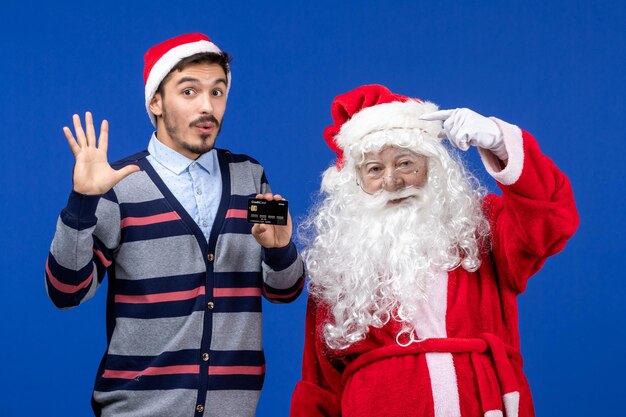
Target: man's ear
156,104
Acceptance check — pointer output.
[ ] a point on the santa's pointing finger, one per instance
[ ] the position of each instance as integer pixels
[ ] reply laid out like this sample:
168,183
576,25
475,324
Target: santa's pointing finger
464,128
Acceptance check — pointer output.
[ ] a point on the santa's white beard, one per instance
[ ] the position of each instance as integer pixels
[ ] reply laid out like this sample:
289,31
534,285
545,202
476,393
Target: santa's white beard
372,260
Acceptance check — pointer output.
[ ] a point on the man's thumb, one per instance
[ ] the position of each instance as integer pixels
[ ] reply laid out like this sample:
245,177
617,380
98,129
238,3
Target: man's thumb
126,171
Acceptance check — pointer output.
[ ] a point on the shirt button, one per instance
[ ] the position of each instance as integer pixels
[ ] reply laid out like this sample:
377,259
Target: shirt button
193,165
210,257
199,191
205,223
199,408
205,357
210,305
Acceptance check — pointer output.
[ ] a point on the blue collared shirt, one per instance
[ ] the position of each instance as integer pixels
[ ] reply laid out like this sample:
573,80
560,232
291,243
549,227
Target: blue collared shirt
197,185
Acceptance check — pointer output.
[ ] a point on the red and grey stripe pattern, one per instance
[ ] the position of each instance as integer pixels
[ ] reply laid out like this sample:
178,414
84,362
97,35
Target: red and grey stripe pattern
184,314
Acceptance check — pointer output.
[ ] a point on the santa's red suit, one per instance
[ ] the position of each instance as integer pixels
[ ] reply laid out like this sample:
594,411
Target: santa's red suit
468,363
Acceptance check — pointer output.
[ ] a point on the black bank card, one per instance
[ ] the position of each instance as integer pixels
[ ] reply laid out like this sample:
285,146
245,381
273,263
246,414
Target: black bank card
267,212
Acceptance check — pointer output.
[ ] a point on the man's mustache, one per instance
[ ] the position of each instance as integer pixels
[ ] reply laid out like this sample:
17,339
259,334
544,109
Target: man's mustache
205,119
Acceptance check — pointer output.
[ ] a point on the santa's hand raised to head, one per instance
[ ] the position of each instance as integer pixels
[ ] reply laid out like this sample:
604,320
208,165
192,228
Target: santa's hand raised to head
464,127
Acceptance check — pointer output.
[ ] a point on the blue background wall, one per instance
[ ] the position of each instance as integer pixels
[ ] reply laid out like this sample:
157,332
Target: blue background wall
554,68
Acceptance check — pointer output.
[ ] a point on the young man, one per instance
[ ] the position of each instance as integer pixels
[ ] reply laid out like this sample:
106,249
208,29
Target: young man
414,273
168,225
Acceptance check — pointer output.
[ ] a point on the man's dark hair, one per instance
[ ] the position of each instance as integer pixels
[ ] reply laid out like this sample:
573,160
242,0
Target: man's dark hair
223,59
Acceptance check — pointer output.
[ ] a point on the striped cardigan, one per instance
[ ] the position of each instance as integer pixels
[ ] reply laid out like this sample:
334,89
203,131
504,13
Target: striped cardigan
183,314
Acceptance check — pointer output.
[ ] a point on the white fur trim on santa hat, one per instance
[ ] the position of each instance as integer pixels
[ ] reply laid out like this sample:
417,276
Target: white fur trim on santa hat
394,115
169,60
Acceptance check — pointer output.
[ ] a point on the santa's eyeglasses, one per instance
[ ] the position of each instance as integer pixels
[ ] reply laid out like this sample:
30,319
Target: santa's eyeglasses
390,170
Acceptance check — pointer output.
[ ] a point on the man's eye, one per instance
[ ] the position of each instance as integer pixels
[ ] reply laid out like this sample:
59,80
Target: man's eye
188,92
217,93
374,170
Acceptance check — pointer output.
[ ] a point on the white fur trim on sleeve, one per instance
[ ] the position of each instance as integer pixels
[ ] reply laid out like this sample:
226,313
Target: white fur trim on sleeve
512,136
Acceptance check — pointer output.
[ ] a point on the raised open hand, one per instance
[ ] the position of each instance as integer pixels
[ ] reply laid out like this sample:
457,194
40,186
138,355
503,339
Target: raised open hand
92,173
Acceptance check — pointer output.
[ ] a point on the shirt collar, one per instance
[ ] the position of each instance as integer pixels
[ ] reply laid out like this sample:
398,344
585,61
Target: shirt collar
178,163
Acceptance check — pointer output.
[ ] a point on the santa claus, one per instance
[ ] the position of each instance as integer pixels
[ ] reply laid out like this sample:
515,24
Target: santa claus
414,269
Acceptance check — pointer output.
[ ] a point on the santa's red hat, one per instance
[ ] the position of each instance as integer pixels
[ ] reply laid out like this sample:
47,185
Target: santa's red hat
373,108
161,58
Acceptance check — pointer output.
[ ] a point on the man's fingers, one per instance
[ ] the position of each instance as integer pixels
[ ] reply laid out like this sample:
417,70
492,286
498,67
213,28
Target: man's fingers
80,133
266,196
270,196
437,115
89,130
70,140
103,140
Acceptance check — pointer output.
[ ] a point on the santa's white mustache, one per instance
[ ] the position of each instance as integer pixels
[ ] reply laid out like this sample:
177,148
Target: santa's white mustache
383,198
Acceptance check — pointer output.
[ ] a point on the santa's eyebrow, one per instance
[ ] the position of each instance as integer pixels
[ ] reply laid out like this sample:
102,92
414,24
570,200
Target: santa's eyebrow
402,154
372,161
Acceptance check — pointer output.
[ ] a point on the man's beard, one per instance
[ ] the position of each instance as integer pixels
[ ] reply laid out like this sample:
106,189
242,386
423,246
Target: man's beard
173,132
372,260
